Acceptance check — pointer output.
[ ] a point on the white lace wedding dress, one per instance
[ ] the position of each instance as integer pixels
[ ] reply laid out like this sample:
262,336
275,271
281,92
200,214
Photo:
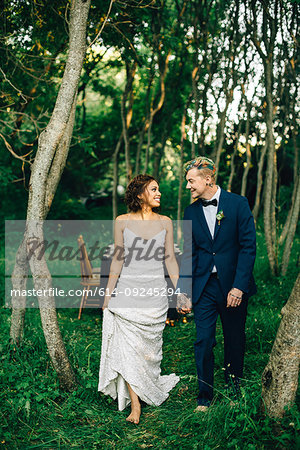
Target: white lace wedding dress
133,325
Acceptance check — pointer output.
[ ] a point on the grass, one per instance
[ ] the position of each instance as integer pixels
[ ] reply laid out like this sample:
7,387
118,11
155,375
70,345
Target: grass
36,414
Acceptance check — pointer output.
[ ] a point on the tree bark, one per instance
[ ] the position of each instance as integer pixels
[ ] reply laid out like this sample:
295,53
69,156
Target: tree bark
280,377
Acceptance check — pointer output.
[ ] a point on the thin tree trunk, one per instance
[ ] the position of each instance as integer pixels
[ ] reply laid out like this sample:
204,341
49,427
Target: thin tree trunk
296,180
125,113
269,31
232,164
230,74
286,226
291,232
139,148
157,156
148,143
220,139
259,183
248,154
116,176
269,181
126,123
182,141
154,111
280,377
273,210
195,77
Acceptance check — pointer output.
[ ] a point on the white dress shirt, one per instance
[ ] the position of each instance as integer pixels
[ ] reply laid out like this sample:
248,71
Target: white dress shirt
210,213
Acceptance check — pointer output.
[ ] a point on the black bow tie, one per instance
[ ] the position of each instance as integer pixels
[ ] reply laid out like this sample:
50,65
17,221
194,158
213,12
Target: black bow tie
209,202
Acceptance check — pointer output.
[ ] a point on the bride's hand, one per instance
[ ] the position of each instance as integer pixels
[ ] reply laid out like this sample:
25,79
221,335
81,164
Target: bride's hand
184,304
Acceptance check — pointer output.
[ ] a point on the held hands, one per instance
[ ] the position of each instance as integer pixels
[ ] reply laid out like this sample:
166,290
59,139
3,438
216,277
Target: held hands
184,304
234,298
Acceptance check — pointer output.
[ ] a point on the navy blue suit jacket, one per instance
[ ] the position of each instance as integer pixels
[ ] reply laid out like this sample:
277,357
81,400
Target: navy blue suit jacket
232,249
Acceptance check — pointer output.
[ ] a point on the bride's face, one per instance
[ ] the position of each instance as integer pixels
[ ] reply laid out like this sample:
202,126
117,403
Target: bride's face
151,195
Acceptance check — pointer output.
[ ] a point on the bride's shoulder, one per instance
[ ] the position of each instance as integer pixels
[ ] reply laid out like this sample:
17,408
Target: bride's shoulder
122,217
167,222
166,218
120,221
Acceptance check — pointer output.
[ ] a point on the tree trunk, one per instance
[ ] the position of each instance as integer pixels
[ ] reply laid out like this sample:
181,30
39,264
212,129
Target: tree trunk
280,377
259,183
126,114
270,172
149,135
157,156
291,232
222,120
49,162
296,181
248,154
59,160
182,141
195,78
43,282
154,111
139,148
232,164
116,177
269,31
19,282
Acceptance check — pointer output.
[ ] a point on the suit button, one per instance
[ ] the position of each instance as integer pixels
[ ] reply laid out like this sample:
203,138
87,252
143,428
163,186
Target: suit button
214,254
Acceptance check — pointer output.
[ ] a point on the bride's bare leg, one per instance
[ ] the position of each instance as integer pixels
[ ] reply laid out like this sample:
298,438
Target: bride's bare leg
134,416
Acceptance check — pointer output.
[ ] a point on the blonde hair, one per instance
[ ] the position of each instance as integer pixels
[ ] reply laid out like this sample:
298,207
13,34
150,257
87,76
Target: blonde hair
206,165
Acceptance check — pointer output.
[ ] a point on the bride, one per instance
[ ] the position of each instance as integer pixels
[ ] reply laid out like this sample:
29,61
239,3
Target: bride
134,316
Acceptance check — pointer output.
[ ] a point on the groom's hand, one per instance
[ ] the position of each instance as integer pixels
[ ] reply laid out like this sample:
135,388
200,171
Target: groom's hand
234,298
184,304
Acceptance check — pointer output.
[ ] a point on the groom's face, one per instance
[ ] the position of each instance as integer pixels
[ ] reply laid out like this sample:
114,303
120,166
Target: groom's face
196,183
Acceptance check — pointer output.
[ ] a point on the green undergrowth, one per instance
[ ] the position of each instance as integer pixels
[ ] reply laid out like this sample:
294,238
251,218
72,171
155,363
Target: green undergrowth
36,414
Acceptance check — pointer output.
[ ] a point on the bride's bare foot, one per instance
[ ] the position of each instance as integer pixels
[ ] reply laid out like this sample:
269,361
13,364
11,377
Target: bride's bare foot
135,414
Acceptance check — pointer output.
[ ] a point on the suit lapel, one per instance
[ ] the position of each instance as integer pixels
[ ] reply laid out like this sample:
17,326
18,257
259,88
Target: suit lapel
221,205
201,219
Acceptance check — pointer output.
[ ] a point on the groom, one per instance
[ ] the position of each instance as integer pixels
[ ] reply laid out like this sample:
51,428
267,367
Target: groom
222,254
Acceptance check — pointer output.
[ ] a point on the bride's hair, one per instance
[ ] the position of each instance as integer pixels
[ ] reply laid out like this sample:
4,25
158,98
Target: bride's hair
135,188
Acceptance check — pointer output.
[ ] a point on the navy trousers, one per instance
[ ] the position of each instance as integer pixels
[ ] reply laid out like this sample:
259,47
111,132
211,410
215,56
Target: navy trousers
206,311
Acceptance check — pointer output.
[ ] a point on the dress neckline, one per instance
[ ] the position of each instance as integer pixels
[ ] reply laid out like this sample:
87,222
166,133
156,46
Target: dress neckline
150,239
